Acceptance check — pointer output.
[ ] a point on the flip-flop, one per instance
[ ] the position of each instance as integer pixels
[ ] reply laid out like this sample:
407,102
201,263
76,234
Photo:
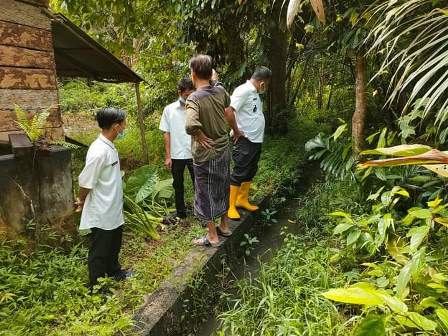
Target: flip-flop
222,233
205,242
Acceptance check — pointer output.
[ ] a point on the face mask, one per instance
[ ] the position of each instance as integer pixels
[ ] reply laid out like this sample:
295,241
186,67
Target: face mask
121,134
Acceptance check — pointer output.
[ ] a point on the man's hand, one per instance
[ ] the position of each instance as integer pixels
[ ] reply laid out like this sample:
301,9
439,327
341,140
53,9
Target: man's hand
168,163
78,205
203,140
236,136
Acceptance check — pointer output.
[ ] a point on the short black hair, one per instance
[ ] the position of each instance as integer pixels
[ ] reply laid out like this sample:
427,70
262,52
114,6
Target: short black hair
262,73
202,66
108,116
185,84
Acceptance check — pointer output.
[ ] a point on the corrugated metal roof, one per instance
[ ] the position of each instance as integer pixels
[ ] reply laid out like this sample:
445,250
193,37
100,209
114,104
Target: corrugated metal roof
79,55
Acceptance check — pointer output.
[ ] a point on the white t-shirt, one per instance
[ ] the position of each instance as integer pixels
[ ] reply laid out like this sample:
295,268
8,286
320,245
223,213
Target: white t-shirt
248,108
173,121
103,207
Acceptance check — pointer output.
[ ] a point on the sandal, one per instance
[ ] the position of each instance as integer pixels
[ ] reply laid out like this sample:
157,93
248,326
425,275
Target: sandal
205,242
223,233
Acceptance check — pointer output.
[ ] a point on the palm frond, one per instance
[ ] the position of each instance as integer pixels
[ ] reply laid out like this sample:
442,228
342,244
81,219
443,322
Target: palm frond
413,37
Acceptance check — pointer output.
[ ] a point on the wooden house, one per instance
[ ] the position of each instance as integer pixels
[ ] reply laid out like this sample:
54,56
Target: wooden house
36,47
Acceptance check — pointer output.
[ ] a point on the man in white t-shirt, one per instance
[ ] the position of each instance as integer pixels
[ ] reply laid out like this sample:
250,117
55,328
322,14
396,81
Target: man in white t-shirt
248,109
101,198
178,143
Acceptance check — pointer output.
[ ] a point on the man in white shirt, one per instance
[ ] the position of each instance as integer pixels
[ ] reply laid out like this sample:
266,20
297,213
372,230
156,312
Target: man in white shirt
178,143
101,198
248,109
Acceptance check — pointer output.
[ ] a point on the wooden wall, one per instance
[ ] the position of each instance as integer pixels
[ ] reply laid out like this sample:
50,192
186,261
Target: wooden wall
27,68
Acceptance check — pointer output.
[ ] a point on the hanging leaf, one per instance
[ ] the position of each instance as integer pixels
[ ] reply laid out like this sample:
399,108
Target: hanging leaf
401,150
434,156
439,169
318,7
294,7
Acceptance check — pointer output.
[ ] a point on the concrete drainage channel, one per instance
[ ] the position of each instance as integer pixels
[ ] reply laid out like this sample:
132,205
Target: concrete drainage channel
185,303
182,302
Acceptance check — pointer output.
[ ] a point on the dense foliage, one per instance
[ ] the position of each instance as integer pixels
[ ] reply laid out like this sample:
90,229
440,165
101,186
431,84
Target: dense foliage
370,255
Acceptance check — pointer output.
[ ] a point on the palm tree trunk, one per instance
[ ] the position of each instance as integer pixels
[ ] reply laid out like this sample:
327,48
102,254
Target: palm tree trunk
359,117
277,52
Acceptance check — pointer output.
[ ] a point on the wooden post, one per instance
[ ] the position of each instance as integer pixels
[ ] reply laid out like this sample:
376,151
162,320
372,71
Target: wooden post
141,123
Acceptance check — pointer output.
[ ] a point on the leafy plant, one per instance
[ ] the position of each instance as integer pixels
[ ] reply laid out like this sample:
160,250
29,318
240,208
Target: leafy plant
139,220
411,36
33,126
334,152
144,184
249,243
267,216
404,275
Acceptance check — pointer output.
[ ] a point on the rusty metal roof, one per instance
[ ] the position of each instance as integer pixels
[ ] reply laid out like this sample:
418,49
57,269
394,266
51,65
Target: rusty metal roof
79,55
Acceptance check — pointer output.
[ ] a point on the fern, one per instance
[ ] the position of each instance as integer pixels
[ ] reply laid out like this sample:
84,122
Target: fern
33,127
65,144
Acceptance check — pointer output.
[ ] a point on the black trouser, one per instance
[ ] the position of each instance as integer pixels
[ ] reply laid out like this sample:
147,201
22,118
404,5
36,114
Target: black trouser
177,169
103,254
245,155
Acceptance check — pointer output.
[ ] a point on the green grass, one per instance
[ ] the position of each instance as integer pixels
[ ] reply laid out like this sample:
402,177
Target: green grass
286,296
282,160
44,292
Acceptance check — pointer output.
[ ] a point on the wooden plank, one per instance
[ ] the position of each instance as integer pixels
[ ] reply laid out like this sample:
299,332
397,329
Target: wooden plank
28,99
26,14
20,57
44,3
8,117
20,78
7,121
17,35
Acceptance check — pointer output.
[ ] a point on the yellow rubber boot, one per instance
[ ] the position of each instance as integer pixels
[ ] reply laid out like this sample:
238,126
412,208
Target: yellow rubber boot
243,198
232,213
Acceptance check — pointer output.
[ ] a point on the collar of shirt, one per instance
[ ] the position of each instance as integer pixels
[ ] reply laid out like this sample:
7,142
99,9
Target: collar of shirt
107,141
251,86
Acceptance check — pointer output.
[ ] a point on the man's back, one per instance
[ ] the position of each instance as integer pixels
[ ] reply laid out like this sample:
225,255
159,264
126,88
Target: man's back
205,111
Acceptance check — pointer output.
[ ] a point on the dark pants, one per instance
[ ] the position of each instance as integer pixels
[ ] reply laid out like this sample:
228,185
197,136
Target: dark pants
177,169
103,254
245,155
